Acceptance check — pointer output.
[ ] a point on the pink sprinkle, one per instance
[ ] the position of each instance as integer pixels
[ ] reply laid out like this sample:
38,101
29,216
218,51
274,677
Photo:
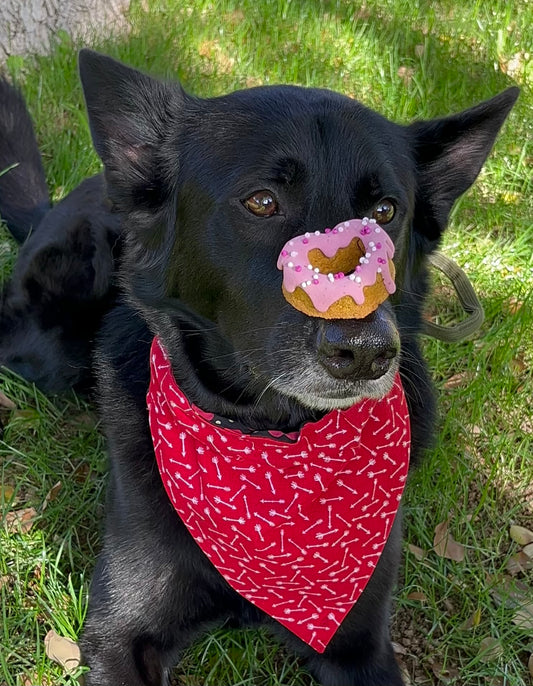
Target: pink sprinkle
284,253
358,268
328,231
315,279
334,231
339,275
305,240
298,268
365,231
381,260
378,246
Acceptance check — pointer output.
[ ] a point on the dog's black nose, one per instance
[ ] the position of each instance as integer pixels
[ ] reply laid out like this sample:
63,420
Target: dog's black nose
358,349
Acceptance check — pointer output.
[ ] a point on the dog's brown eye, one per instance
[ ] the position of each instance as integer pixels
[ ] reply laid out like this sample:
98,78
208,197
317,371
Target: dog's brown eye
262,204
384,212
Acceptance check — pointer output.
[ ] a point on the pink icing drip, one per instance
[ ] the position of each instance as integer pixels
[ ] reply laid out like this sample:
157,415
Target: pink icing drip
324,291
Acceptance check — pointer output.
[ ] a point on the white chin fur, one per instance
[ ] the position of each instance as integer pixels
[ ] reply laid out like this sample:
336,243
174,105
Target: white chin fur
375,389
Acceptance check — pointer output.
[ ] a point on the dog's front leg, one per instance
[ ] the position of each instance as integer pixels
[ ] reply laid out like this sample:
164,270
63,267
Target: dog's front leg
152,593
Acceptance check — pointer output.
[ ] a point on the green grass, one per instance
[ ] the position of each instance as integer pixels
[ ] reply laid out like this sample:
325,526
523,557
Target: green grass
407,60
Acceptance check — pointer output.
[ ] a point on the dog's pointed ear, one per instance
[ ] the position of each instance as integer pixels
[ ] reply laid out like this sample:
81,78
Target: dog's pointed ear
449,154
130,116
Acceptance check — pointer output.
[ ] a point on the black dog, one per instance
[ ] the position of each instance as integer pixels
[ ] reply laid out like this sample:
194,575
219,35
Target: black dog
208,192
64,278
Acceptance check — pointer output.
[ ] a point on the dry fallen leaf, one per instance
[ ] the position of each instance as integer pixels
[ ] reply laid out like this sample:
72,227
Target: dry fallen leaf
519,563
444,544
528,550
62,650
6,402
473,620
523,618
6,492
520,534
419,553
51,495
490,649
417,595
20,521
445,674
458,380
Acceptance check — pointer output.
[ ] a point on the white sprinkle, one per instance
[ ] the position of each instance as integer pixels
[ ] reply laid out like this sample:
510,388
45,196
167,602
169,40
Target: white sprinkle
378,270
357,279
364,221
331,277
346,223
303,284
290,264
372,221
361,260
377,229
307,234
310,267
367,255
374,248
352,277
341,229
365,261
316,270
308,283
294,253
317,233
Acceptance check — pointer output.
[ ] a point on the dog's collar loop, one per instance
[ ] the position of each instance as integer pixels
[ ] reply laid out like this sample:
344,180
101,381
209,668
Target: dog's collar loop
467,297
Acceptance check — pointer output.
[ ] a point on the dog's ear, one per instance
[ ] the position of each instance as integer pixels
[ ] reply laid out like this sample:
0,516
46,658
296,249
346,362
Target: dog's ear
449,154
130,117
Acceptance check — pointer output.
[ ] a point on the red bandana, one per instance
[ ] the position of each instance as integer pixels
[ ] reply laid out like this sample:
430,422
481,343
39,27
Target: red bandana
296,527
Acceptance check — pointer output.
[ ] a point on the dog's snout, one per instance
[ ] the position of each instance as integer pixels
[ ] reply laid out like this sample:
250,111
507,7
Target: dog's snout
360,349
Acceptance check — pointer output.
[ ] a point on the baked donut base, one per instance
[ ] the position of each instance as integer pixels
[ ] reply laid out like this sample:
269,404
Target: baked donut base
343,308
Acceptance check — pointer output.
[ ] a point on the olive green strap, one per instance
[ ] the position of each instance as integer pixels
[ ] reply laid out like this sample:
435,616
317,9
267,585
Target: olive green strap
467,297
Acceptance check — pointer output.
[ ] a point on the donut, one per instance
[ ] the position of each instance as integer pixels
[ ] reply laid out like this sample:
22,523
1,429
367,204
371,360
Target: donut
341,273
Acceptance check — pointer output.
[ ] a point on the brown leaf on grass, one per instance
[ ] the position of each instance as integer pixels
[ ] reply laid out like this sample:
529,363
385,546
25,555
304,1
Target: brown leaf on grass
51,495
519,564
473,620
445,545
520,534
528,550
20,521
62,650
6,493
417,595
6,402
444,674
510,593
458,380
523,618
490,649
419,553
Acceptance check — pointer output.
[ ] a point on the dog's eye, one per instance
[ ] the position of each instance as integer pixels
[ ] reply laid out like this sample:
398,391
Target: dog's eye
262,204
384,212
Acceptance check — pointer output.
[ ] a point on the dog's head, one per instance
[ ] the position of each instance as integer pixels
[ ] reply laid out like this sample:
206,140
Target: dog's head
213,188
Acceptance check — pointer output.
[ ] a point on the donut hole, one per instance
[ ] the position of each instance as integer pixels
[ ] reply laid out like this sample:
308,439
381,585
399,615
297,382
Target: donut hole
344,261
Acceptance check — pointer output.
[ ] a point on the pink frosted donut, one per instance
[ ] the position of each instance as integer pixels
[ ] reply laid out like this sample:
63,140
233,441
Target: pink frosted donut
343,273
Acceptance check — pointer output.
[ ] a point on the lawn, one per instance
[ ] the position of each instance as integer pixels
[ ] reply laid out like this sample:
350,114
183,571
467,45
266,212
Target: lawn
466,621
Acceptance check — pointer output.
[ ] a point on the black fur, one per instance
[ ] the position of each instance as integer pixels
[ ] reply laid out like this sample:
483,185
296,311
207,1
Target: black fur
63,280
23,190
199,270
